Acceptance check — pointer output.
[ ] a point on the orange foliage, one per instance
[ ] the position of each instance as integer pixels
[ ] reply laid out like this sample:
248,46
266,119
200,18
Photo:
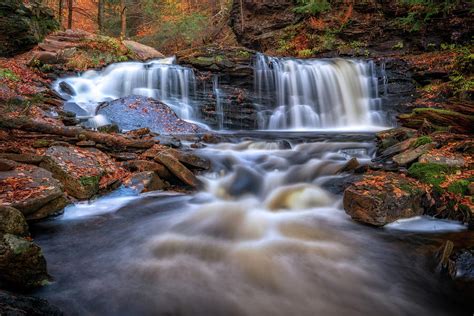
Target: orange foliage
300,42
316,24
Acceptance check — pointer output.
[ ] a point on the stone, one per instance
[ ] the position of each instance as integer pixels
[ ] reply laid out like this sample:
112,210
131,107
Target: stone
380,198
6,164
23,27
23,158
189,159
76,168
178,169
22,265
397,148
109,128
145,165
143,52
453,161
29,189
390,137
349,166
139,132
20,305
53,208
145,181
135,112
44,57
12,222
412,155
86,143
124,156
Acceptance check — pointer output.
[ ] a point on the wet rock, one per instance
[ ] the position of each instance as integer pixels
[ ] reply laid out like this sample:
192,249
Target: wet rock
146,181
189,159
438,158
461,267
20,305
76,168
30,189
69,121
145,165
169,141
12,222
135,112
412,155
143,52
23,158
395,149
6,164
388,138
74,108
245,180
178,169
22,265
53,208
139,132
383,197
351,165
46,58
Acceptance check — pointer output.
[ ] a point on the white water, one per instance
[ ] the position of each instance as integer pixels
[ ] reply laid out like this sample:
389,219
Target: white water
160,79
318,93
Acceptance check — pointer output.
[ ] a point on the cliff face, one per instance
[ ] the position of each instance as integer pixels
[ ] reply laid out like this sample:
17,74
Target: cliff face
23,27
349,27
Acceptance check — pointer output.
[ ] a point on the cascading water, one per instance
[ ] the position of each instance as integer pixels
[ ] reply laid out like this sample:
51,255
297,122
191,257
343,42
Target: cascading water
317,93
219,107
160,79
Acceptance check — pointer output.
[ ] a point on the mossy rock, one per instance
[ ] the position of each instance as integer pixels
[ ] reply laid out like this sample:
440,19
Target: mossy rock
430,173
457,122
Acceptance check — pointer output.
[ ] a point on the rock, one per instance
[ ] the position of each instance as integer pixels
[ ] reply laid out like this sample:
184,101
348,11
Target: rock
124,156
383,197
23,27
135,112
412,155
30,189
457,122
86,143
12,222
145,181
45,58
438,158
170,141
53,208
178,169
75,108
23,158
390,137
78,169
190,159
41,143
139,132
244,180
395,149
145,165
351,165
19,305
461,266
22,265
109,128
6,164
143,52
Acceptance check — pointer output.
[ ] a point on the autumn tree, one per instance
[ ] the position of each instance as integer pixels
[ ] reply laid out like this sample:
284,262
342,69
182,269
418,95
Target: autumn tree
123,18
100,15
69,15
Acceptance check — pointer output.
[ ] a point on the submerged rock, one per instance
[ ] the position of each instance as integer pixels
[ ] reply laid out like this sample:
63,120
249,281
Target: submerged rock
22,264
31,190
19,305
145,181
136,112
383,197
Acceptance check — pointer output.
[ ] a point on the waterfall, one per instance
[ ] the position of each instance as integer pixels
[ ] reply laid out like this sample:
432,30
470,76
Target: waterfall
219,107
161,79
317,93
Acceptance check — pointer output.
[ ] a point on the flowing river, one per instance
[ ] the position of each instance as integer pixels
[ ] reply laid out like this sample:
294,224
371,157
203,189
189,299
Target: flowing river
266,235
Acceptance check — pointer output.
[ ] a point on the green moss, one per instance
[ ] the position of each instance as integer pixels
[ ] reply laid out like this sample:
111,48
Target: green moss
91,181
312,6
409,188
423,140
399,45
459,187
243,54
430,173
8,74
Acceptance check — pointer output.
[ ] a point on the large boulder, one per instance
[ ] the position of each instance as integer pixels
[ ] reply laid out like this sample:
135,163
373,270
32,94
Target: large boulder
177,168
143,52
20,305
82,171
31,190
23,26
22,265
12,221
380,198
135,112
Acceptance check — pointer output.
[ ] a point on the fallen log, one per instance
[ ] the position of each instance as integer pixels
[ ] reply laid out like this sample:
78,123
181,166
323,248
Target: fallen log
110,140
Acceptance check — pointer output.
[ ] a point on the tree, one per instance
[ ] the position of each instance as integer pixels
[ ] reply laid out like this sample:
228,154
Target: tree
69,15
60,13
123,17
100,15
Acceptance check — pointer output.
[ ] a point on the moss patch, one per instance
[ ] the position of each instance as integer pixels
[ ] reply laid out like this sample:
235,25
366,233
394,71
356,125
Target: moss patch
459,187
90,181
430,173
423,140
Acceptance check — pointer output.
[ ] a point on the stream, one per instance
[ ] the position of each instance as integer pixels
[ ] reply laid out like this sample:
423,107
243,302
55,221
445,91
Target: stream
266,235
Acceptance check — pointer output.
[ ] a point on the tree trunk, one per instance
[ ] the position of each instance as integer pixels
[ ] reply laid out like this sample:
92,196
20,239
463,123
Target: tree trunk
100,15
69,15
123,17
60,13
242,15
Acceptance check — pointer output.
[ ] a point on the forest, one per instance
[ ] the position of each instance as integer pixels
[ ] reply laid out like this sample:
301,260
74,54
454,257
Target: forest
236,157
